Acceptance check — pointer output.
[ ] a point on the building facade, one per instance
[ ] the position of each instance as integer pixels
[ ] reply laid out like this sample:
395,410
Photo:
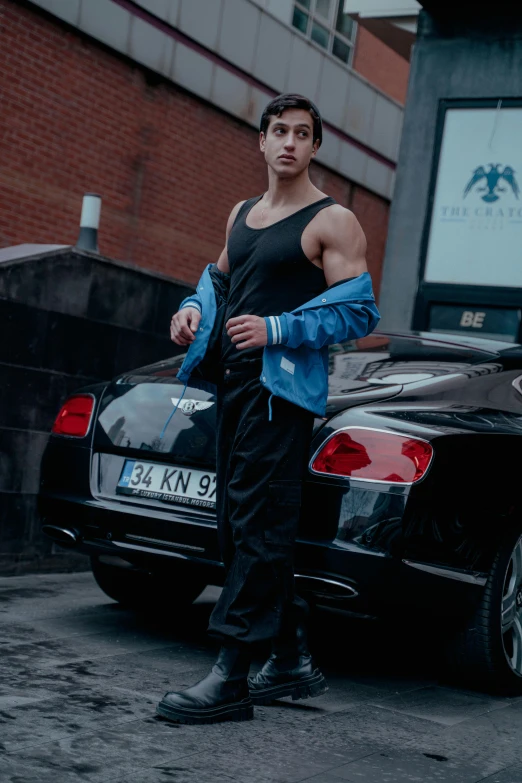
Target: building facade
453,258
155,105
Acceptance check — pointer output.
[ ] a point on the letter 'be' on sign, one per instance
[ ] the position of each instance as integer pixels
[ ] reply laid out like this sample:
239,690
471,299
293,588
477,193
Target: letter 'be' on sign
474,320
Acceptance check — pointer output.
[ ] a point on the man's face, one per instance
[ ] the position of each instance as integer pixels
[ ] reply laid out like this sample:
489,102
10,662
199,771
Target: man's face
289,142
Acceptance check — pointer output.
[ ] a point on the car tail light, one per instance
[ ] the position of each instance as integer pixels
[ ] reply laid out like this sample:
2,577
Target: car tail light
75,416
374,455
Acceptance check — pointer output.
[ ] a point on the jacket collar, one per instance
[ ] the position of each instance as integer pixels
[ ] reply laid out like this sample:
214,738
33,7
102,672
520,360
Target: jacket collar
205,285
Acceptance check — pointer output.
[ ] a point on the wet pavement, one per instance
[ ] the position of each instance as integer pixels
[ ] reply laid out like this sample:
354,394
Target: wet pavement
80,677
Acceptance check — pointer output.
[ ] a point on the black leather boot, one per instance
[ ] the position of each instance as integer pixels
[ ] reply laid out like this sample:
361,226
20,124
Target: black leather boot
221,695
290,671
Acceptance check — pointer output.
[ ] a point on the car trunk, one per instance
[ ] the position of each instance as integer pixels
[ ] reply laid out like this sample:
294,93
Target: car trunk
135,427
136,418
145,455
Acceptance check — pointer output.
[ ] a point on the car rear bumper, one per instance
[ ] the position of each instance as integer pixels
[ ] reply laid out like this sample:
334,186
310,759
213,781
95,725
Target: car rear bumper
332,572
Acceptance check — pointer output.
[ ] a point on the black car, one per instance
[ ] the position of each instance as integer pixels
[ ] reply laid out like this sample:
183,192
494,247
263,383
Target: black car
412,501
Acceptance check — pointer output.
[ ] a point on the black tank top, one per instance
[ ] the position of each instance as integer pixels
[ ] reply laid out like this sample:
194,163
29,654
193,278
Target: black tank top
269,272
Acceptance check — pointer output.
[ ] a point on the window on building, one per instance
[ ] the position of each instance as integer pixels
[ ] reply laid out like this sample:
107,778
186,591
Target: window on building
327,24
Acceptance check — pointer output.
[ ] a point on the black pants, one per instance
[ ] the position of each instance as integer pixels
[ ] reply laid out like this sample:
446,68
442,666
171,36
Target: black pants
260,468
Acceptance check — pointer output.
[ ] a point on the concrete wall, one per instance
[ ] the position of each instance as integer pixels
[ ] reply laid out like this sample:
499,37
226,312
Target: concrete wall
67,319
476,55
281,9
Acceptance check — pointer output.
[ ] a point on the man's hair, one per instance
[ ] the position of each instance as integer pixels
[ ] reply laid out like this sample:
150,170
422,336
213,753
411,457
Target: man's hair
292,101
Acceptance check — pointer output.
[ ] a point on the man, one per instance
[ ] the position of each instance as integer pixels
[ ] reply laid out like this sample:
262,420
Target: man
291,280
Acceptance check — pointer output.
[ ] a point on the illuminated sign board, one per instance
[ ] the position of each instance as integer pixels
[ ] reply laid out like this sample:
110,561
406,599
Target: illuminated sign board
475,229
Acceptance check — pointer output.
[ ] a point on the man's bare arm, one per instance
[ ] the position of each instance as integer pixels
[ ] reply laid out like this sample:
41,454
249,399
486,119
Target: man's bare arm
222,262
344,245
184,324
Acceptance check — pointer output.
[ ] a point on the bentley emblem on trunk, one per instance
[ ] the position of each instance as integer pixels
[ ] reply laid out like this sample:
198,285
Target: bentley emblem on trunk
188,407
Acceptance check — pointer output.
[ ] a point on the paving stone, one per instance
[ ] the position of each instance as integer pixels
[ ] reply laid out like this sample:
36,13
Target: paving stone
105,755
281,765
53,652
515,703
325,777
403,767
443,705
18,633
142,683
290,757
80,677
510,775
12,698
131,672
173,660
54,718
367,723
58,680
178,773
343,694
493,741
148,683
15,771
27,598
386,683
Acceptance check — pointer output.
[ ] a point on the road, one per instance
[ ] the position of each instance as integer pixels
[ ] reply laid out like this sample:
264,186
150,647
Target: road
80,677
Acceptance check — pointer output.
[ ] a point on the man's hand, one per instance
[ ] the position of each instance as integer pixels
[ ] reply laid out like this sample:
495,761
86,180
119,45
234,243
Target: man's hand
184,325
247,331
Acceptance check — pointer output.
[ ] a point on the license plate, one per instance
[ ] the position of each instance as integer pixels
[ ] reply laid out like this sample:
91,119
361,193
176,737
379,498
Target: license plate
168,483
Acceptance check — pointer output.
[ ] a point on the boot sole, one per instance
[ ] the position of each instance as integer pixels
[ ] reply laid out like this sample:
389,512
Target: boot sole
307,688
243,710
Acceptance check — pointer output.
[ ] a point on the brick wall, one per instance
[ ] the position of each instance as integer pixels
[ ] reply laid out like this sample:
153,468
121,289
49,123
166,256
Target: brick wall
76,117
381,65
373,215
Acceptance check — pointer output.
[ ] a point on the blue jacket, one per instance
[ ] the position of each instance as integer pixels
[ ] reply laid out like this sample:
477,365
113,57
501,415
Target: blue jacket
295,360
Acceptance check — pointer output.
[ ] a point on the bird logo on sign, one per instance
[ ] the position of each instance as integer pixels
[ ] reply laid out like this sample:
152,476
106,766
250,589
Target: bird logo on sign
188,407
492,185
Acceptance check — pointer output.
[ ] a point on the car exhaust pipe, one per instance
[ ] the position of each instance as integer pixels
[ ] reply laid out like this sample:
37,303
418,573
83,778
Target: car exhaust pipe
325,588
63,535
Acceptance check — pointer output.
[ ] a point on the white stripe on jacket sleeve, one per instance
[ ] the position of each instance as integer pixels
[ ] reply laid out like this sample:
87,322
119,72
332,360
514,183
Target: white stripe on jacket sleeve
192,303
273,328
278,324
